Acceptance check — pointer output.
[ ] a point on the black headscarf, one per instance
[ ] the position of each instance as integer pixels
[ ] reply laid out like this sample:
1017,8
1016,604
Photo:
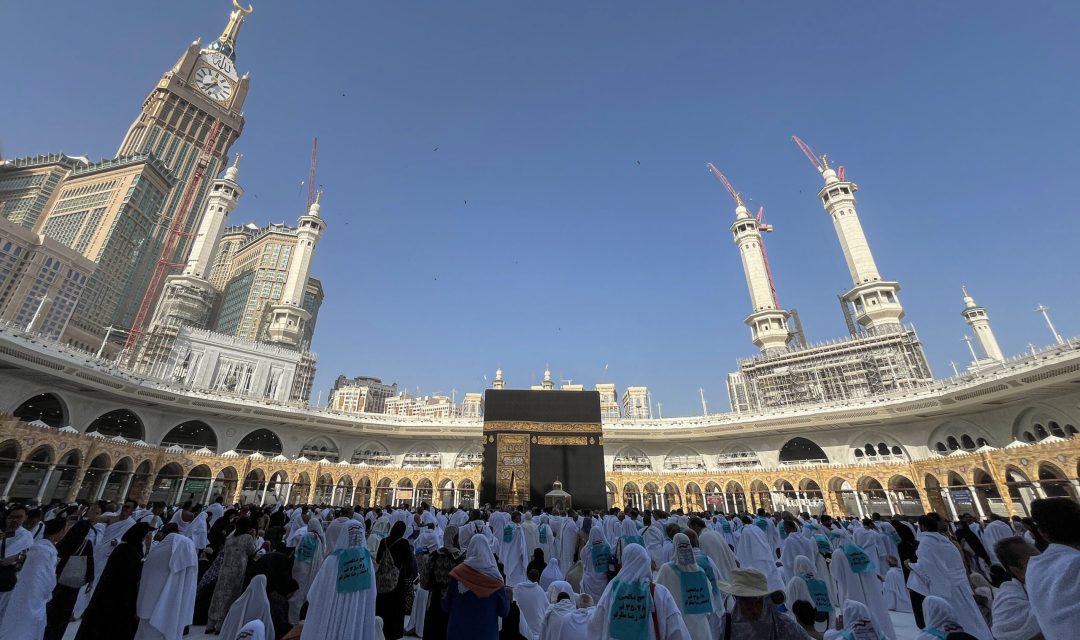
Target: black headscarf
134,535
277,518
965,534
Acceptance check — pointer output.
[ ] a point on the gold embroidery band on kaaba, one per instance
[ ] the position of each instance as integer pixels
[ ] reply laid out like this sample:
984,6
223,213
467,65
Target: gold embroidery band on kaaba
543,427
566,440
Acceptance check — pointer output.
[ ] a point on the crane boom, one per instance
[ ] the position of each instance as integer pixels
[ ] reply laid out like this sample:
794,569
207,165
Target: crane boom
311,172
172,238
727,183
809,153
767,228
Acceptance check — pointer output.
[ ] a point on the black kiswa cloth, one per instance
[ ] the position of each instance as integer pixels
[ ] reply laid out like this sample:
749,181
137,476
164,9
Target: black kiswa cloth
560,434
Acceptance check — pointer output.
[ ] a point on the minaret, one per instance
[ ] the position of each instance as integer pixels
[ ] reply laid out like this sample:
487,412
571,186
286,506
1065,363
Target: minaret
876,305
980,323
548,384
768,322
498,383
288,317
188,298
221,200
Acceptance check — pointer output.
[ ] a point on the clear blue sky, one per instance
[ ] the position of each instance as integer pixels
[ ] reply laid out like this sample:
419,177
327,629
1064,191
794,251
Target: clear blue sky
578,134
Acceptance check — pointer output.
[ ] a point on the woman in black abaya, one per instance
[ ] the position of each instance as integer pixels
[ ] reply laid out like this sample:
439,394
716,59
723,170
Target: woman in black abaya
390,606
111,612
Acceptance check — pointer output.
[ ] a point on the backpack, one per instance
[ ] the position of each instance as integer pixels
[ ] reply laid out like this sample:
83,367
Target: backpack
387,573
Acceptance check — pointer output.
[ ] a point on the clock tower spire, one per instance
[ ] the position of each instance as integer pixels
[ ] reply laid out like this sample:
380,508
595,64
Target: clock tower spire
203,88
226,42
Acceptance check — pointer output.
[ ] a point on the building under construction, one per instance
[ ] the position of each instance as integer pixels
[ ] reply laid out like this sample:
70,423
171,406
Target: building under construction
880,356
856,367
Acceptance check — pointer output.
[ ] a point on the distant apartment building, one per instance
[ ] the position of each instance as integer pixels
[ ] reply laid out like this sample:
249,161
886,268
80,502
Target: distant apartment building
436,406
362,394
609,400
28,185
635,403
41,280
108,211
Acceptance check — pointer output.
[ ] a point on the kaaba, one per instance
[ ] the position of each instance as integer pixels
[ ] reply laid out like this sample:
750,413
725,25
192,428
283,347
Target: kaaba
533,438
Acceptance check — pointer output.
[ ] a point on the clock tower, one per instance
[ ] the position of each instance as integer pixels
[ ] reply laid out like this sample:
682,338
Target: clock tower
202,88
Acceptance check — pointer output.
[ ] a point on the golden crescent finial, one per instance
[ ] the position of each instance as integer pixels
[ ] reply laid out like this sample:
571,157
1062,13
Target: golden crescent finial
738,200
824,156
247,12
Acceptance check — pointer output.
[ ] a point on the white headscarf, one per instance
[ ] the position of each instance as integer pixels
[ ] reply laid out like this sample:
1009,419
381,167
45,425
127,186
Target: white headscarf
297,528
197,531
304,571
254,630
937,614
251,605
480,558
560,586
552,573
352,535
428,540
796,587
596,534
682,553
341,616
715,546
857,624
636,565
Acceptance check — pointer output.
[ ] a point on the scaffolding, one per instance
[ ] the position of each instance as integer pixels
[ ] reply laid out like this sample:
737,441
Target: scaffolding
860,366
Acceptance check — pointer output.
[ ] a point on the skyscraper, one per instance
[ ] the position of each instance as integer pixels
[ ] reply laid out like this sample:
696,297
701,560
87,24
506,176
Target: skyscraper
107,211
27,185
202,88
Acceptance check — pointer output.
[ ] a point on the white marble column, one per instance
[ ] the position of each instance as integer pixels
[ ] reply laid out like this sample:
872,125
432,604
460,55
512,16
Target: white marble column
101,486
11,480
44,483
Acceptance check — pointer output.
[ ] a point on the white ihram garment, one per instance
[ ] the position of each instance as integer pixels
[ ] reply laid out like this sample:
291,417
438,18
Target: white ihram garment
25,616
166,601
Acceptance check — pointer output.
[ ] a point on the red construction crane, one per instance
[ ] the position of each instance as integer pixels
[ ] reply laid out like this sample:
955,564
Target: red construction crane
311,172
809,153
813,158
762,226
172,239
727,184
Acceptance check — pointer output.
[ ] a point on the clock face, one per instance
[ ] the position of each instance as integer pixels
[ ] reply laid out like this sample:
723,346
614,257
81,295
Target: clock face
213,84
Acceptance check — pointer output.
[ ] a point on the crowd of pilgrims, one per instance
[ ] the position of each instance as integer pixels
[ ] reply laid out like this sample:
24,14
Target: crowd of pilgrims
323,573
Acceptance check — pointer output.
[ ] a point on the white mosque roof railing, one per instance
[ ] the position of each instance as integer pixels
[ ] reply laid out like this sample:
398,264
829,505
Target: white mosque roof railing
793,415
